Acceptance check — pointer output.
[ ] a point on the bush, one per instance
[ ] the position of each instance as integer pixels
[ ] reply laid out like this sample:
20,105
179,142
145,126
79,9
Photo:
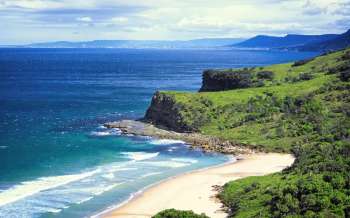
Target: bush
305,76
260,83
265,75
345,56
344,76
172,213
339,68
302,62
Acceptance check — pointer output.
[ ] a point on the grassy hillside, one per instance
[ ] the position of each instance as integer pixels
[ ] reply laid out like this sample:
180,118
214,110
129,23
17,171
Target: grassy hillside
302,108
253,115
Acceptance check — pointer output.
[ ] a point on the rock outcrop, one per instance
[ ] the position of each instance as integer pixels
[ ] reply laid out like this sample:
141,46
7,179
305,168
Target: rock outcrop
196,140
165,112
214,80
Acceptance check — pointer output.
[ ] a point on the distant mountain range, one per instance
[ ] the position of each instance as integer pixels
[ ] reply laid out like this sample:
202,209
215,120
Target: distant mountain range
317,43
327,42
196,43
337,43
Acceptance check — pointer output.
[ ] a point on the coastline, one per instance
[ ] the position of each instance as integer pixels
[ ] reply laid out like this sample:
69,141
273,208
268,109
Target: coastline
196,140
196,190
135,195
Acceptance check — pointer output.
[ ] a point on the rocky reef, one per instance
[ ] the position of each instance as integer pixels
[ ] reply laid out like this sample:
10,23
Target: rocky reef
196,140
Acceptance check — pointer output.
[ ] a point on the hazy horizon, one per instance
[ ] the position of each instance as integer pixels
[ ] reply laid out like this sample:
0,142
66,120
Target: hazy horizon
35,21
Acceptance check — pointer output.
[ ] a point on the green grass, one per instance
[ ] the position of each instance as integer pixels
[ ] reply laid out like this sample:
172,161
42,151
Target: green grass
250,132
308,118
242,95
226,108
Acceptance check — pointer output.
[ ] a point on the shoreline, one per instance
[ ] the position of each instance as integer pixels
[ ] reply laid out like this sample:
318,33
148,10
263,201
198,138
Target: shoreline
195,190
135,195
196,140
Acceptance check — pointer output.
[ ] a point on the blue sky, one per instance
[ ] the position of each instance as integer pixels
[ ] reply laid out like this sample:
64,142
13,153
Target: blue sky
27,21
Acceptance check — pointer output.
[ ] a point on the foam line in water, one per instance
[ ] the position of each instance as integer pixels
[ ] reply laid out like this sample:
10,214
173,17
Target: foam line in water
108,176
107,188
138,156
108,132
185,160
29,188
166,142
150,174
168,164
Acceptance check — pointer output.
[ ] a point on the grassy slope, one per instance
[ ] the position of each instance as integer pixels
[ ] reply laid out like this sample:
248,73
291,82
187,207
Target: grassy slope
309,118
251,132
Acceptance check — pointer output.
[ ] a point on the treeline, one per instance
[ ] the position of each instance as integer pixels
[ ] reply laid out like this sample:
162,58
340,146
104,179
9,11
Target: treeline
307,114
318,183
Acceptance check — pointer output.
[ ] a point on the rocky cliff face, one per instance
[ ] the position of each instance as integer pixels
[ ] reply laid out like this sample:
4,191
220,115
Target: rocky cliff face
165,112
225,80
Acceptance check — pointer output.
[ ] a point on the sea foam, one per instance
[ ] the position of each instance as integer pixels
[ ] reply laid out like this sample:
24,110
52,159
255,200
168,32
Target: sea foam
107,132
139,156
166,142
150,174
168,164
29,188
185,160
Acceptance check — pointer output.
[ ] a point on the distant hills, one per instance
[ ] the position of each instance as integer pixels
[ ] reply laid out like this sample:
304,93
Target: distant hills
263,41
196,43
316,43
337,43
321,43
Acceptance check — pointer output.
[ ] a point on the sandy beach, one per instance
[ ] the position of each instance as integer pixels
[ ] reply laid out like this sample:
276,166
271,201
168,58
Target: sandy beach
195,191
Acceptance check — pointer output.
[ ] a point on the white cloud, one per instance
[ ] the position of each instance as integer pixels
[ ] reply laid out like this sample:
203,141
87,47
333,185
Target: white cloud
84,19
168,19
119,20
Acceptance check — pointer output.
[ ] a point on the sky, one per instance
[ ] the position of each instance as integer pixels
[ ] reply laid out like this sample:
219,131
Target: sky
28,21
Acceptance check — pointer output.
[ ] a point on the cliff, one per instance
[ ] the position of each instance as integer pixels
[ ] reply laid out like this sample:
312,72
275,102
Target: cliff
303,109
165,111
225,80
250,102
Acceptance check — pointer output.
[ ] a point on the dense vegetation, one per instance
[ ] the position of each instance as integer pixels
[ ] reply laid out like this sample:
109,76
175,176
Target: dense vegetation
172,213
221,80
304,108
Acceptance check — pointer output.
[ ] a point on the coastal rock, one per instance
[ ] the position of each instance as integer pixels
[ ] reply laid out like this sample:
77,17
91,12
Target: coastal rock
196,140
215,80
165,112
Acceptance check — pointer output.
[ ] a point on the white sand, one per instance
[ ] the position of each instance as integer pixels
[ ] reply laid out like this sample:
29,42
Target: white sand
194,191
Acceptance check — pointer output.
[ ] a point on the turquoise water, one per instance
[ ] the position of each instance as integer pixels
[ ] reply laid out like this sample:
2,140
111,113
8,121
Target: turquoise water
56,158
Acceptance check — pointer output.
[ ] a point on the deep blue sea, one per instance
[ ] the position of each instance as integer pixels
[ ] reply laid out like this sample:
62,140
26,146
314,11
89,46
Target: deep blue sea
56,159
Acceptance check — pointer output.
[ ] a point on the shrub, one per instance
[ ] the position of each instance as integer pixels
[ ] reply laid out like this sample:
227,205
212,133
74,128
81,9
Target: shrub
339,68
344,76
260,83
305,76
265,75
172,213
302,62
345,56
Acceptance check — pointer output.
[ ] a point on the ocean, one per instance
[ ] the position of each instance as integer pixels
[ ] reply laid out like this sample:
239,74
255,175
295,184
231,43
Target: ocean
56,158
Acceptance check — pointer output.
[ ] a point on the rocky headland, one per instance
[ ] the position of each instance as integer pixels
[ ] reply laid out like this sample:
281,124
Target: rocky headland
196,140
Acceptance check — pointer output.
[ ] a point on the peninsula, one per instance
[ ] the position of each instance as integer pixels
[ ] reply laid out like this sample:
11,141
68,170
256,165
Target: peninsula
299,108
